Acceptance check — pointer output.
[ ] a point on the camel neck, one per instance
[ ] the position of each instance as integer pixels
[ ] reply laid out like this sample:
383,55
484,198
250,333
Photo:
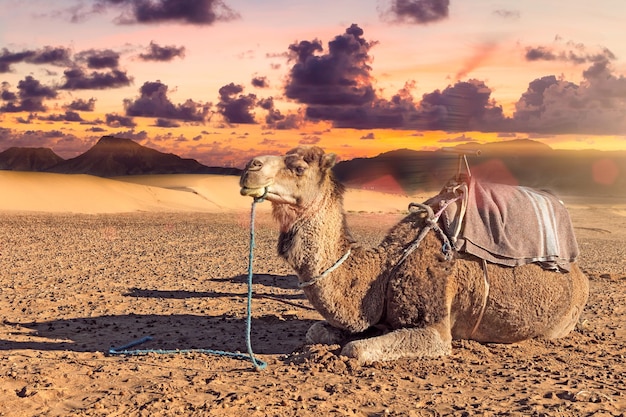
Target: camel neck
316,238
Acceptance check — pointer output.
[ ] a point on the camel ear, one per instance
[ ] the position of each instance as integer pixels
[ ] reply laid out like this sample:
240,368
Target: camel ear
328,161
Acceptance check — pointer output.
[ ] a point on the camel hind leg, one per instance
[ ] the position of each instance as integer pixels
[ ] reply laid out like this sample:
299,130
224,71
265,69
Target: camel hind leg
578,299
401,343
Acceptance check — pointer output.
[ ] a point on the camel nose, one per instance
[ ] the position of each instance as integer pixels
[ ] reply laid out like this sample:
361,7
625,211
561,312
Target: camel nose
255,165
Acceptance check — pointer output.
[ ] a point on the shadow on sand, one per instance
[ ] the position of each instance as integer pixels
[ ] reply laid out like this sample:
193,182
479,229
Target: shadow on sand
288,282
270,333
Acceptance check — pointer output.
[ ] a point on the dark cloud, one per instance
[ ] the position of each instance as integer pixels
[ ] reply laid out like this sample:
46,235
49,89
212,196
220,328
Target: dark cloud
115,120
369,136
552,105
340,77
140,136
31,105
234,106
50,55
540,53
30,96
274,115
46,55
417,11
289,121
531,101
266,103
68,116
166,123
378,115
260,82
32,88
99,59
153,102
72,116
77,79
196,12
276,120
7,58
82,105
28,120
5,94
284,55
571,52
338,86
162,53
464,106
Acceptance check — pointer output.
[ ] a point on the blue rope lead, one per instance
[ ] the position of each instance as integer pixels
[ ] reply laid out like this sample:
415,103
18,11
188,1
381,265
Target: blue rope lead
258,364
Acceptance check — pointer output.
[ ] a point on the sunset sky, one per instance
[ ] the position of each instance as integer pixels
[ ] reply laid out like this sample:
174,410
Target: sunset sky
221,81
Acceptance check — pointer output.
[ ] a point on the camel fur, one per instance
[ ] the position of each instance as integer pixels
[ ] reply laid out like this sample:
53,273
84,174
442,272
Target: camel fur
417,307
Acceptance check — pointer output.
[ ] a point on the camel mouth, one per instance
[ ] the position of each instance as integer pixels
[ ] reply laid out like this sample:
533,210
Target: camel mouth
253,192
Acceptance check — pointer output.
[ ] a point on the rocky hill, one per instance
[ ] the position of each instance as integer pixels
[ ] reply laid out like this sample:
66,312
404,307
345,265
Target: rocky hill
109,157
403,171
28,159
516,162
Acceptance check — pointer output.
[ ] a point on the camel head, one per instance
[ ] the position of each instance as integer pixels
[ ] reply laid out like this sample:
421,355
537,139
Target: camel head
296,178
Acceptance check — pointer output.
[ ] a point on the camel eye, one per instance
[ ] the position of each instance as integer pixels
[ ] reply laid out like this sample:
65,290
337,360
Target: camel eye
299,170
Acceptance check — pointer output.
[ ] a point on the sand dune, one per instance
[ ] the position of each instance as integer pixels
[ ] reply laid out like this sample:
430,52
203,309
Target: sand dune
67,193
46,192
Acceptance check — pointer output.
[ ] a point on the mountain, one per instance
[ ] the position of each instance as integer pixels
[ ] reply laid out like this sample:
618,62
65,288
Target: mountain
113,156
516,162
514,146
28,159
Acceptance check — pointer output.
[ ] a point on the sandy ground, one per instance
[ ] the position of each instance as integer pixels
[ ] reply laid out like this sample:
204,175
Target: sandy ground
72,285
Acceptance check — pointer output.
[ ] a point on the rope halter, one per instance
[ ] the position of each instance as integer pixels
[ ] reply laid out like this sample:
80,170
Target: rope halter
325,273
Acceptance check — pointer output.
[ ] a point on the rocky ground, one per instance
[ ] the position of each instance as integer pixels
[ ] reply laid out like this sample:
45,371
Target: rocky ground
72,286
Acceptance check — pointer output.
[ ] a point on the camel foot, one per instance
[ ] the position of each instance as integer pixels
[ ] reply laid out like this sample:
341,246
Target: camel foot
323,333
402,343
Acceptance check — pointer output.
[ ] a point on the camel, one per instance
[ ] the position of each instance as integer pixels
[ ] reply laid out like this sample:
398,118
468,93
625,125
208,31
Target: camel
381,307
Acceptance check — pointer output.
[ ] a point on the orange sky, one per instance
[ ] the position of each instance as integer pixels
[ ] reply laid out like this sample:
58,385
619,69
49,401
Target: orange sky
378,79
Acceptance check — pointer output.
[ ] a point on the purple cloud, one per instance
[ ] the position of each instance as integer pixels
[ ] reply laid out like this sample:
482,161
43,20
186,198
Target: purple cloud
153,102
162,53
418,11
234,106
77,79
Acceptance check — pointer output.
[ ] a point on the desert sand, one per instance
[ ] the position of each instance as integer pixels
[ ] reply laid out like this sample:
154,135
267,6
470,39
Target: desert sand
87,264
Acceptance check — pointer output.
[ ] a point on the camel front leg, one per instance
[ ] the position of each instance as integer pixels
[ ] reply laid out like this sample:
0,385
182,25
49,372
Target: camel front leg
323,333
401,343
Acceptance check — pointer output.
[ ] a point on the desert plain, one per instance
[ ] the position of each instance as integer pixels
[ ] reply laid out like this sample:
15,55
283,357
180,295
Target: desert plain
88,263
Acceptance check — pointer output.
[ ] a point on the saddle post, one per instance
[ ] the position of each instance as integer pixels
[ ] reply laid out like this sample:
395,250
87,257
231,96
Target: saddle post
462,162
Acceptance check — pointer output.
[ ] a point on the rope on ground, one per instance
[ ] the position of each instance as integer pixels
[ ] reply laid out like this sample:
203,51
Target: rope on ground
257,363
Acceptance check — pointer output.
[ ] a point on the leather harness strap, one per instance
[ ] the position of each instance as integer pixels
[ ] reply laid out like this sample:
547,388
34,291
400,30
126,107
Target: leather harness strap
485,296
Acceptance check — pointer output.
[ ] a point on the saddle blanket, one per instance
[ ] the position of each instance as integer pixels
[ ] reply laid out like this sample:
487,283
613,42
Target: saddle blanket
512,225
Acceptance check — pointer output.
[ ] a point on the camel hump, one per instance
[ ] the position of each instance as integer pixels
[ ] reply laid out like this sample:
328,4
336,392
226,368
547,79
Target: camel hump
508,225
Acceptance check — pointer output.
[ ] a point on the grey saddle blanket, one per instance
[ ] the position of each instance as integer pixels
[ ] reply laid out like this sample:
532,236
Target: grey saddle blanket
509,225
